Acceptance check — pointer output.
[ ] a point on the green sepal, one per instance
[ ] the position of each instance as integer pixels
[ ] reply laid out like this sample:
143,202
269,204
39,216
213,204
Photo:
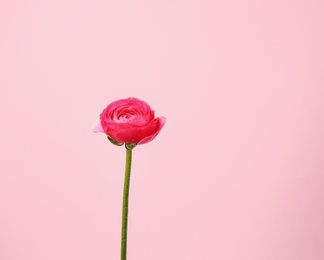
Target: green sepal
114,142
130,146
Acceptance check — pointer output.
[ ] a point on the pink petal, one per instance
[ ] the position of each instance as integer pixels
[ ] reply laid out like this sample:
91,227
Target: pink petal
98,129
159,123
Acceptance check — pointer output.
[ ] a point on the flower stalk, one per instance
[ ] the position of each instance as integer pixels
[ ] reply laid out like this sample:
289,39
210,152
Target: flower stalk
125,204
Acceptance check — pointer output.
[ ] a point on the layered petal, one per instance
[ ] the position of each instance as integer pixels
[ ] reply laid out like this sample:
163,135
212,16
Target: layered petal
130,121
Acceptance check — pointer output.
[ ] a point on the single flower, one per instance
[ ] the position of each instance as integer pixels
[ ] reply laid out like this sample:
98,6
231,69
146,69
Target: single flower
130,121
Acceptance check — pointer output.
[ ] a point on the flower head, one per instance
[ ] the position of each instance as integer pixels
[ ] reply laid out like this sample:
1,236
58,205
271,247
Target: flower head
129,121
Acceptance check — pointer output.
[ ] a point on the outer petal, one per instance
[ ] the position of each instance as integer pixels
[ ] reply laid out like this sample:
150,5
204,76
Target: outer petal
138,134
120,132
98,129
124,134
159,123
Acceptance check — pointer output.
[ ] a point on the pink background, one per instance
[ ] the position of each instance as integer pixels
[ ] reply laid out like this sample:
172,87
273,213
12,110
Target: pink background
237,171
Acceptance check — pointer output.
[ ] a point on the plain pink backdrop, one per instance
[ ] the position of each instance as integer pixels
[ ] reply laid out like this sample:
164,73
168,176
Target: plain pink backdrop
237,171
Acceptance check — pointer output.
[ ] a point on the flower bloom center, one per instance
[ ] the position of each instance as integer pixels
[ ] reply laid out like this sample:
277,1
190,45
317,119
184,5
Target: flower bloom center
125,114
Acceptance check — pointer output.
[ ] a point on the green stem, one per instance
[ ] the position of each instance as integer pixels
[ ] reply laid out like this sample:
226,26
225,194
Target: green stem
125,204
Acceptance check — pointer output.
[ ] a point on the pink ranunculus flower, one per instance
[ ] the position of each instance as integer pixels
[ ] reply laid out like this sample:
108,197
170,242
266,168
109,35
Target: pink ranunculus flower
129,121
